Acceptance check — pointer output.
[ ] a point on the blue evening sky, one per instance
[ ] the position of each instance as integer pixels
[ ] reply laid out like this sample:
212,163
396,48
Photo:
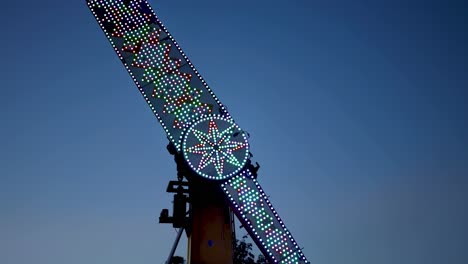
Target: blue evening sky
356,109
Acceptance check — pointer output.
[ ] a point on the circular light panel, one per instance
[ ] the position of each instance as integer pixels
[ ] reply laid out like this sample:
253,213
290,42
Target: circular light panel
215,147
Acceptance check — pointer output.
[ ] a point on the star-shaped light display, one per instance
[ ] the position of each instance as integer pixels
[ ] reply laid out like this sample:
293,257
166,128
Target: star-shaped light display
215,148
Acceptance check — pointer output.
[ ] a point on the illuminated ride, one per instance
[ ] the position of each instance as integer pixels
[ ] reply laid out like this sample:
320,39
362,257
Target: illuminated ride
210,149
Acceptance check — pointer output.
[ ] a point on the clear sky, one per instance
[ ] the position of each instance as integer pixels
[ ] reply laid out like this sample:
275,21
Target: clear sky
356,109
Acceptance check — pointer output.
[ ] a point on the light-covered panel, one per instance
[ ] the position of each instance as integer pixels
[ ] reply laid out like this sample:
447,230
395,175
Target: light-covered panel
166,78
260,219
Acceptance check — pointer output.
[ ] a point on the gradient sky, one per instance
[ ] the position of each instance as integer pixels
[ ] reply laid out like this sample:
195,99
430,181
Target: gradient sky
356,109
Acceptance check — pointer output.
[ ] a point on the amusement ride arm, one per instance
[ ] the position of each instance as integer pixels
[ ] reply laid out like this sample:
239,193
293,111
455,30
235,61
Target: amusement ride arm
195,121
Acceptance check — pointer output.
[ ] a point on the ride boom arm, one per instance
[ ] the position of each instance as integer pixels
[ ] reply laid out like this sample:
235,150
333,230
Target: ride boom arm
179,98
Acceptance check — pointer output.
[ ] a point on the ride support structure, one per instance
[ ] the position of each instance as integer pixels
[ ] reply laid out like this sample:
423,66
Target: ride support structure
211,150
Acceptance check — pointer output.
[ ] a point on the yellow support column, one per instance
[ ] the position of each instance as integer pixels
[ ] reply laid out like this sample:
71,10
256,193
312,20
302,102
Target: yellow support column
210,239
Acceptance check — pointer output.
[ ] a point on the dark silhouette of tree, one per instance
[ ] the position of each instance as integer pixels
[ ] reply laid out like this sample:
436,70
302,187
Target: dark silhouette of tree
243,253
261,259
177,260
